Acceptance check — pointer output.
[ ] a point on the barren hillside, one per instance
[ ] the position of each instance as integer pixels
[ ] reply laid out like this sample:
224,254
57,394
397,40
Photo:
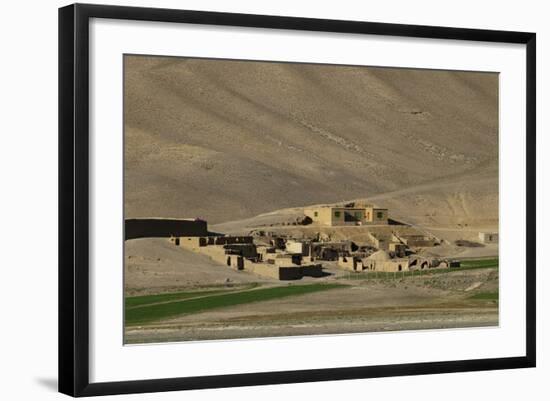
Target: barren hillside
227,140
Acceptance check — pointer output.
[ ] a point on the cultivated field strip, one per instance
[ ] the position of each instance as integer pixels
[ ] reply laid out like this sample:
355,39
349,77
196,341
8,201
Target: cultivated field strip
159,309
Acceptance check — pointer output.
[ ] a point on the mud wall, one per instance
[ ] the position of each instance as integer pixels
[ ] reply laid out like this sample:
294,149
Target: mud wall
164,228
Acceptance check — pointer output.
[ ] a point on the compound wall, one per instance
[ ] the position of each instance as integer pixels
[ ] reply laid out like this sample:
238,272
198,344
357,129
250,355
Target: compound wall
164,228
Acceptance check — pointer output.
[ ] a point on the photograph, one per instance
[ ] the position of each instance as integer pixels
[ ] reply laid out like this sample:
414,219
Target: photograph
275,199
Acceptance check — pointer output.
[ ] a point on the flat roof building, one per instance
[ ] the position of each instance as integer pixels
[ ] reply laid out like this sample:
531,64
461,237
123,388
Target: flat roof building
343,215
488,237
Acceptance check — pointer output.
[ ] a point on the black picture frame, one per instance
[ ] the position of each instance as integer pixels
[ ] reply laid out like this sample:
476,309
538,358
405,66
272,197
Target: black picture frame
74,198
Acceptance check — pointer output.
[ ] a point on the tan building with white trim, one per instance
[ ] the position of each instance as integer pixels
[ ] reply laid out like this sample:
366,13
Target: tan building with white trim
344,216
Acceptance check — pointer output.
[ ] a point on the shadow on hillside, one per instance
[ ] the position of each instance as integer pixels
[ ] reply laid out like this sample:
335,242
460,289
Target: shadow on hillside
393,222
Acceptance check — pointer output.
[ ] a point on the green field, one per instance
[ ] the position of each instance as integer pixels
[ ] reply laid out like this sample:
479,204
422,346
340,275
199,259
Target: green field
486,296
478,263
135,301
166,306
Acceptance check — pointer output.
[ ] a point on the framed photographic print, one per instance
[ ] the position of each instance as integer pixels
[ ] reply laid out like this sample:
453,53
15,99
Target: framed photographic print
250,199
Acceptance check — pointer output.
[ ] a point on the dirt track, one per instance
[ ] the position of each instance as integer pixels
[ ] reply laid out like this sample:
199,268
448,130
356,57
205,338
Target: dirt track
426,302
357,321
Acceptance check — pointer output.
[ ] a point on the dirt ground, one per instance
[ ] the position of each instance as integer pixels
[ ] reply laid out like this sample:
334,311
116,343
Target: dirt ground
412,303
227,140
155,265
372,320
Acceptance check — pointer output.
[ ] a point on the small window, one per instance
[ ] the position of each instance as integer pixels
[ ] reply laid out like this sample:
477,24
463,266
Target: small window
315,214
336,214
379,215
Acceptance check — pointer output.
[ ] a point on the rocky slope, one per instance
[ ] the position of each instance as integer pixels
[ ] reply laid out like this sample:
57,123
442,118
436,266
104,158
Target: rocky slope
226,140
